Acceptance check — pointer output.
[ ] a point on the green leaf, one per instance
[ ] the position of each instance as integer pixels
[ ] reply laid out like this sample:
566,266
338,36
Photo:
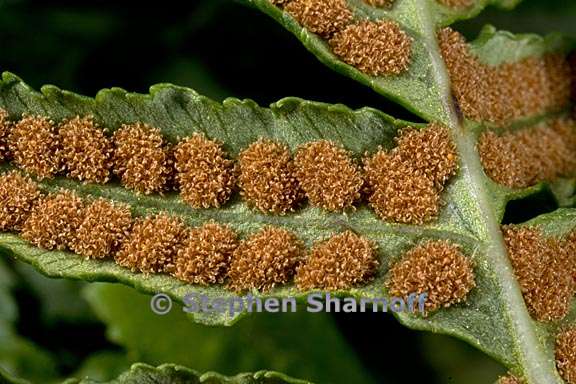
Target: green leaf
426,90
556,224
535,16
446,15
414,89
494,318
326,358
417,89
174,374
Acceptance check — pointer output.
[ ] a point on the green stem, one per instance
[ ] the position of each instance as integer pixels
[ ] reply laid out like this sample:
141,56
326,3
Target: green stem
537,367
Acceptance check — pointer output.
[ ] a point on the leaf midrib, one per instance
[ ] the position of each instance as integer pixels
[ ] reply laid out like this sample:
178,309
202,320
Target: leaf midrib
537,366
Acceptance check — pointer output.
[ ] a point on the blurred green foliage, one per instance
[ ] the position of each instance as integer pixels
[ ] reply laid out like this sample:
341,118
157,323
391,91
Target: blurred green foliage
298,344
18,355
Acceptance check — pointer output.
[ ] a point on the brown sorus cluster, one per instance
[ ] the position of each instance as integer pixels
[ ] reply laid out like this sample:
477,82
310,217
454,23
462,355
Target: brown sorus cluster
376,48
430,151
34,144
205,257
457,3
265,259
569,246
526,157
54,221
509,380
437,268
341,262
153,244
328,175
104,227
268,178
323,17
141,158
544,270
205,175
86,151
398,194
5,127
510,91
19,194
404,185
566,354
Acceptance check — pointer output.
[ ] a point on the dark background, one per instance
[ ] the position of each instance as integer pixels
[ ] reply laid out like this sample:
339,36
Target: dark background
224,49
